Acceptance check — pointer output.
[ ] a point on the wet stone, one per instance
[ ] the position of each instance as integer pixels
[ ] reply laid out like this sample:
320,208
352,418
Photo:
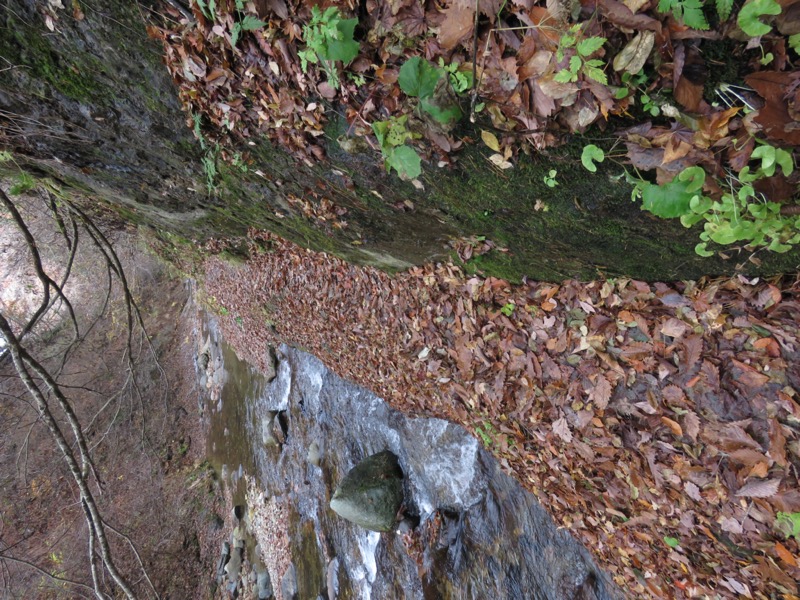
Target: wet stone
370,495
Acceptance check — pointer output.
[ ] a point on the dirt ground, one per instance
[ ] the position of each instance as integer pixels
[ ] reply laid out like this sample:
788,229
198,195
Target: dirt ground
141,417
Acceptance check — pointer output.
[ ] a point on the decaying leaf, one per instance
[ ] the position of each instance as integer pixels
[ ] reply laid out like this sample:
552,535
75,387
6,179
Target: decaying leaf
635,53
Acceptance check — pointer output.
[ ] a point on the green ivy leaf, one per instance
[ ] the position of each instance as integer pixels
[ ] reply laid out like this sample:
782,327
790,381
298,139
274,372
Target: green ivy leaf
404,160
748,18
667,201
590,45
590,154
418,77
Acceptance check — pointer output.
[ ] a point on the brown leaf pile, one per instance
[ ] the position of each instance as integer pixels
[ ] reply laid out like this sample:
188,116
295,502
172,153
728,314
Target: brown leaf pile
257,87
659,423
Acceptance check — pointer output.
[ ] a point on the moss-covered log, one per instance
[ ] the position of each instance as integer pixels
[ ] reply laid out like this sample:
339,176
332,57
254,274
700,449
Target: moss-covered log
91,104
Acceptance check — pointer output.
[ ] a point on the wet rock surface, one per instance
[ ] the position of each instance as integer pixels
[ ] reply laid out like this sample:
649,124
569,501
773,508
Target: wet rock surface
370,495
469,531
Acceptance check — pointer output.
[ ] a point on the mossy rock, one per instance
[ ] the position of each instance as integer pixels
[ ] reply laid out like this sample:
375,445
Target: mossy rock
370,495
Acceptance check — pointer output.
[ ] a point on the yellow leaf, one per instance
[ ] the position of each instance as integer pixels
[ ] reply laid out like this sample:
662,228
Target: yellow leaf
490,140
674,426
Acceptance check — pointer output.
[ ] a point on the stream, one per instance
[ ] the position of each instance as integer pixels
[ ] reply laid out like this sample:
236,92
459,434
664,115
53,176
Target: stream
289,441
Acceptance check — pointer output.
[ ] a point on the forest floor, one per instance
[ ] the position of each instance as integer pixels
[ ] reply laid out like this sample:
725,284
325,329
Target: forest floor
658,422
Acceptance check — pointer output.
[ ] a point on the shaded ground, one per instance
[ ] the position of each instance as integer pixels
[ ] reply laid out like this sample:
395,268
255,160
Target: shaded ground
658,422
142,425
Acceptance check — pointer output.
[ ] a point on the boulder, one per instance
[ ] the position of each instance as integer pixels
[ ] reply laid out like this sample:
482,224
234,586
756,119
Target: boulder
370,495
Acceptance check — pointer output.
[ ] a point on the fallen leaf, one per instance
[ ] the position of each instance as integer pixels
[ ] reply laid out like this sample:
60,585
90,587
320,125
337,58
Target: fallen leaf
673,425
785,555
490,140
456,26
759,488
635,53
561,429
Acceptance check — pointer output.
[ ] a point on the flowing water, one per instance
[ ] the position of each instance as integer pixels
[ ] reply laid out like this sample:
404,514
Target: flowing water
480,534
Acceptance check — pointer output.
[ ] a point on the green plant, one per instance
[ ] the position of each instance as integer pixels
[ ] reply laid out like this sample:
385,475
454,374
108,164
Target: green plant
749,18
24,181
487,433
739,215
788,524
209,9
590,154
419,78
579,62
508,309
460,80
392,136
550,178
688,12
329,38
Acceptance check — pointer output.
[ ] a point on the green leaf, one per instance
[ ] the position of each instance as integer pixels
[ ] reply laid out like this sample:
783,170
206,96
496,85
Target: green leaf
694,177
702,250
418,77
592,72
204,9
667,201
724,8
671,541
343,48
251,23
564,76
5,156
748,18
575,63
693,15
788,524
794,42
380,128
590,154
404,160
443,114
237,29
508,309
784,159
590,45
767,155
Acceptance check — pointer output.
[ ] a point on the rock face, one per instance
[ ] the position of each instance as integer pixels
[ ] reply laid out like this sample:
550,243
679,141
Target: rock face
371,493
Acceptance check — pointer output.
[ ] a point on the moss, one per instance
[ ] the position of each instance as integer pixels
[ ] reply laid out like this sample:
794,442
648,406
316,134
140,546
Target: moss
585,227
23,45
